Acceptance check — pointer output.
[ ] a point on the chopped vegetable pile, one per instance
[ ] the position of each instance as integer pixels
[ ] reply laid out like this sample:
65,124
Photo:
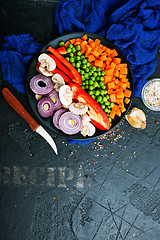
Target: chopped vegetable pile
87,83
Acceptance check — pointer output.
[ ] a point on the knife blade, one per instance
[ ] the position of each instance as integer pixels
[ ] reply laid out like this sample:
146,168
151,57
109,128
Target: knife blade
17,106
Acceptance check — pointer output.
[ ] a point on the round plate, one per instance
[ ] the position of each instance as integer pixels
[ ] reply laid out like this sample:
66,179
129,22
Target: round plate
47,123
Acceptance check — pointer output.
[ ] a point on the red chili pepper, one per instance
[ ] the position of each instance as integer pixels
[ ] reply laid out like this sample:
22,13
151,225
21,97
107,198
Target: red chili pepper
76,76
61,66
65,77
95,112
62,50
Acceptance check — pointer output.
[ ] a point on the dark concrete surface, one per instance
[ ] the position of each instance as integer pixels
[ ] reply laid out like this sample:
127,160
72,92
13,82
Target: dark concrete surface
106,190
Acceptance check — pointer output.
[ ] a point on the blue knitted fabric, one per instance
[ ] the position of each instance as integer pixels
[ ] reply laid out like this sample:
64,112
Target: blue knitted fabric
15,55
133,26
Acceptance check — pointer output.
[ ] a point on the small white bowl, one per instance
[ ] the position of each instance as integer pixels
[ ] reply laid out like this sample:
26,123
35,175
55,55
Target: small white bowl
146,87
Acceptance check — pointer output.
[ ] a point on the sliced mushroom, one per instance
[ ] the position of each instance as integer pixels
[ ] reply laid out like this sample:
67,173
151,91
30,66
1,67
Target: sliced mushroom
85,117
65,95
78,108
88,129
137,118
47,64
58,81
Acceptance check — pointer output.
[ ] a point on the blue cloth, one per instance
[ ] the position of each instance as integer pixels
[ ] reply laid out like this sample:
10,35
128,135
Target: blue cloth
15,55
133,26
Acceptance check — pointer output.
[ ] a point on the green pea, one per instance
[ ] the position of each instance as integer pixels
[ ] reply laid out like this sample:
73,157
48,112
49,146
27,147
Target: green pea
101,78
94,68
112,105
82,57
95,84
73,64
82,72
95,74
84,61
71,59
67,58
88,64
69,50
78,70
71,54
90,74
79,53
99,99
103,106
97,78
104,99
83,66
78,47
87,69
107,103
90,92
61,44
107,96
97,93
70,45
73,50
91,82
91,87
101,84
102,92
86,75
93,78
99,73
98,69
83,78
106,110
87,87
93,96
102,73
83,87
110,119
78,58
103,87
87,82
78,65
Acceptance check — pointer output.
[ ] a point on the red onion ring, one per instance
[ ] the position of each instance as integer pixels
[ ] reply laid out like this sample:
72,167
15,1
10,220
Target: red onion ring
41,84
54,96
45,107
70,123
57,116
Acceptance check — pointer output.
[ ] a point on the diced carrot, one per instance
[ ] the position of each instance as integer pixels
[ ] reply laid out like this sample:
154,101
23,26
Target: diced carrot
98,63
83,45
67,43
112,98
123,70
84,37
91,58
116,81
112,114
127,100
117,60
116,73
95,53
103,58
123,109
107,79
127,93
72,41
109,72
111,91
111,85
97,42
92,44
118,112
128,84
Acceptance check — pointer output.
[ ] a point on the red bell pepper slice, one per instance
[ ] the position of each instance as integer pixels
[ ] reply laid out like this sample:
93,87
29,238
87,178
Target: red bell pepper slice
95,112
62,50
61,66
65,77
76,76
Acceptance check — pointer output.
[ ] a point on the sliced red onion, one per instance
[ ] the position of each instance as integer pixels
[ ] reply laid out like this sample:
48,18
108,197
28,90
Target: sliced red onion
57,116
70,123
45,107
54,96
37,96
41,84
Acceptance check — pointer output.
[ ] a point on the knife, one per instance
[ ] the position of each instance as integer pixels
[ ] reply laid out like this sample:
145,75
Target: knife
17,106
